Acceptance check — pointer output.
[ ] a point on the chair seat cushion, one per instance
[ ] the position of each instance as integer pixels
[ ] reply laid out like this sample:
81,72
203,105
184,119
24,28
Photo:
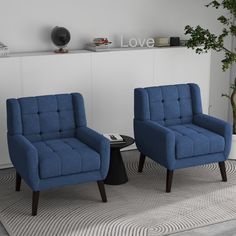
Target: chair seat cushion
66,156
193,140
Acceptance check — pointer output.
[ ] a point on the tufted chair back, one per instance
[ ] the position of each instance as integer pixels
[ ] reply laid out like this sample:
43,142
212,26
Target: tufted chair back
46,117
168,105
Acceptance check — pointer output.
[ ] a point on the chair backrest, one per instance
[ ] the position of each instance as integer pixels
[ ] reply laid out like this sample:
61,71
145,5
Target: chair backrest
46,117
168,105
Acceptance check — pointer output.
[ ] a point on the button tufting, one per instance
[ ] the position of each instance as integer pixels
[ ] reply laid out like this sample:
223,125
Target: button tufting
58,110
180,117
38,112
178,99
60,130
40,133
162,100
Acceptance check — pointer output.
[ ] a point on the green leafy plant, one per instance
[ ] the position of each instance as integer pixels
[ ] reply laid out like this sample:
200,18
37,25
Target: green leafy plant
202,40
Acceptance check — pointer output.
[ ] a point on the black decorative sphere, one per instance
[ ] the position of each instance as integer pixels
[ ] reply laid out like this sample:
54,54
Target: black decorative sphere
60,37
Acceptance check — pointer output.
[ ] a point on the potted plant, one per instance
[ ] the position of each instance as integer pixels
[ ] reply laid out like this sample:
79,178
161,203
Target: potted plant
202,40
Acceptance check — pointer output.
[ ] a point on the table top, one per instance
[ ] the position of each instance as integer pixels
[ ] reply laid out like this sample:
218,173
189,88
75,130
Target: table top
128,141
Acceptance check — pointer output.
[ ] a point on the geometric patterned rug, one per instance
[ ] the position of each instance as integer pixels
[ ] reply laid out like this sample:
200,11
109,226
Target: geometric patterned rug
138,208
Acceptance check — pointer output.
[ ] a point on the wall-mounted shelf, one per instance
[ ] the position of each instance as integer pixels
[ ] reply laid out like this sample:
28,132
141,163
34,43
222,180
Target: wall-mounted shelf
52,53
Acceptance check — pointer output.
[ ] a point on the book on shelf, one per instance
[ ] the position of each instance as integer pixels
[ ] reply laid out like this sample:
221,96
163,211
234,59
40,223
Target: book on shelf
4,51
97,48
114,138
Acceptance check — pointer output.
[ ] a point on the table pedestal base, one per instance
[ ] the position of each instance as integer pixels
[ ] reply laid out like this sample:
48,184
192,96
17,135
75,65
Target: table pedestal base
117,173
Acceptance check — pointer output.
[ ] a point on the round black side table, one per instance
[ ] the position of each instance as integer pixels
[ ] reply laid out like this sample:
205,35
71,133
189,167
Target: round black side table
117,173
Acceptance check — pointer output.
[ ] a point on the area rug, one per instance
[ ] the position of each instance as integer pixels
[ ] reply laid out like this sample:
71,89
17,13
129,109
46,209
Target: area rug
140,207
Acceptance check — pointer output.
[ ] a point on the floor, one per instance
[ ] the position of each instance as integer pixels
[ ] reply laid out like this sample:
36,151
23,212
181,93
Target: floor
2,230
225,228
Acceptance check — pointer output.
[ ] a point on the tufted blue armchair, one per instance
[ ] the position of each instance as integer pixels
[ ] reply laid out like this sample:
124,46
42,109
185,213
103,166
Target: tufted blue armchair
170,128
51,146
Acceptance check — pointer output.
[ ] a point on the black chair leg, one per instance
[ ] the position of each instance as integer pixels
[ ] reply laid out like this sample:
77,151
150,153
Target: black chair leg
223,171
35,200
141,163
169,178
18,182
102,190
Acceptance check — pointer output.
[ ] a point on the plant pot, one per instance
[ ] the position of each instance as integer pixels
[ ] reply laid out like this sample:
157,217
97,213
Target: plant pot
232,154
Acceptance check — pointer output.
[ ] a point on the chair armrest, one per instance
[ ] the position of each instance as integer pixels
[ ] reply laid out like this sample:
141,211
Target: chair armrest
156,141
99,143
218,126
24,157
215,125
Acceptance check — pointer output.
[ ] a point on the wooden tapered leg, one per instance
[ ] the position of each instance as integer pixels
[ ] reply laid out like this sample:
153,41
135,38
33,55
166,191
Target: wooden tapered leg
102,190
35,200
223,171
18,182
141,163
169,178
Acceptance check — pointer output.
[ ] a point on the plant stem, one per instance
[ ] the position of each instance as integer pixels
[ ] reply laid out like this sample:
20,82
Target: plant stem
227,50
233,107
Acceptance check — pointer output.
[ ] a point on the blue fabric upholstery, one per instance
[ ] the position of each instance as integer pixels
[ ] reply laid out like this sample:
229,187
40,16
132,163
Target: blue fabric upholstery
50,144
97,142
170,128
192,140
64,157
216,126
47,117
168,105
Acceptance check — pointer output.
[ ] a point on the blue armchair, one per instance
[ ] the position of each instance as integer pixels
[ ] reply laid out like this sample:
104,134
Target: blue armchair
51,146
170,128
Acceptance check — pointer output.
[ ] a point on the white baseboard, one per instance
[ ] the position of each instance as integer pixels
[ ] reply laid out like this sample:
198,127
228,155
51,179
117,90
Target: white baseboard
5,166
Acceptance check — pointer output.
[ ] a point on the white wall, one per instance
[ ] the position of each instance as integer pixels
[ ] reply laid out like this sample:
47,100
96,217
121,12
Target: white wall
25,26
